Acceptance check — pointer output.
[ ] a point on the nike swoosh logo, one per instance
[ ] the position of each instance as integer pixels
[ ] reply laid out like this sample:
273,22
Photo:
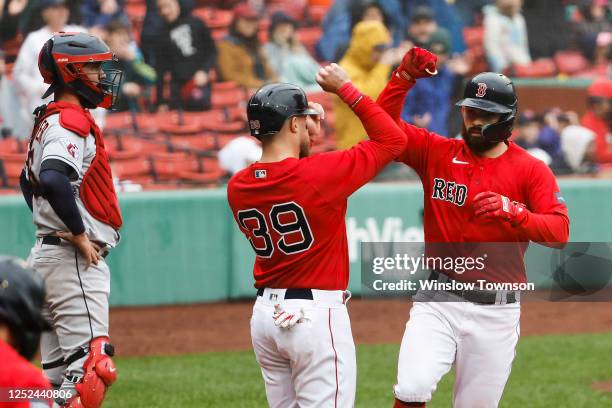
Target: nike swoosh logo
459,161
112,370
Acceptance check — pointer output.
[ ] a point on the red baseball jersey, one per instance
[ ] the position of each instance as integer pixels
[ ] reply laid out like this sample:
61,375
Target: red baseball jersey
292,211
452,175
19,378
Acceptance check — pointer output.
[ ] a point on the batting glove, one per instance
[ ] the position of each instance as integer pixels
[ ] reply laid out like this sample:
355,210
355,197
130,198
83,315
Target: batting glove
286,320
418,63
492,205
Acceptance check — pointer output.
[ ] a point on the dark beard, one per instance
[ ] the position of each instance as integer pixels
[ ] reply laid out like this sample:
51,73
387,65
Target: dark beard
476,144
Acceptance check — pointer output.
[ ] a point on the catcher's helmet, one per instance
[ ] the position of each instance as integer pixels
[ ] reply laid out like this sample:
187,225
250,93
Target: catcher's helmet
21,298
492,92
61,62
273,104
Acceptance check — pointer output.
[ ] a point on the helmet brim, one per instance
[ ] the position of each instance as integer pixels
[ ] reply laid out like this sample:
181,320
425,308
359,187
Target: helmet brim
309,112
484,105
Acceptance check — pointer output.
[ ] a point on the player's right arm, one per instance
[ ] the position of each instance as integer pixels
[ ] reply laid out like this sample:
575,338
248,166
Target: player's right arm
417,63
338,174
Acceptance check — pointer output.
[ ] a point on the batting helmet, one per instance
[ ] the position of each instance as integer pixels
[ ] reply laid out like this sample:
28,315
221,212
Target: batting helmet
273,104
61,62
21,298
493,92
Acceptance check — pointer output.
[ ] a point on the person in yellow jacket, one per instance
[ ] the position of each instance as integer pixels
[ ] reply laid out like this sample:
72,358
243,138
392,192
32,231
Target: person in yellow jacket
368,62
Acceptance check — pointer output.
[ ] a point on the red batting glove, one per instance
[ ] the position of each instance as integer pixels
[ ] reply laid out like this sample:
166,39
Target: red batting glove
492,205
418,63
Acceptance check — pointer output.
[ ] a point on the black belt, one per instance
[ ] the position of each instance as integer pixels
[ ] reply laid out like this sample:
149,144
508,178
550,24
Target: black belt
485,297
53,240
292,293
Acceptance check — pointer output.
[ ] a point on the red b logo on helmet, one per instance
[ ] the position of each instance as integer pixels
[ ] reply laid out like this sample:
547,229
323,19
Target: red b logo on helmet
482,90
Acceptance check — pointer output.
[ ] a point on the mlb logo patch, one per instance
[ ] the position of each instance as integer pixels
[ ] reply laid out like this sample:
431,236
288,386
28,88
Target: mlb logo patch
260,174
273,297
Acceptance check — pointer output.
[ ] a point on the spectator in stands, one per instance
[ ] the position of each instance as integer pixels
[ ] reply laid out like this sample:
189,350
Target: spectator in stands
345,14
470,11
547,27
10,13
29,83
598,118
422,26
187,52
99,13
368,63
446,16
287,57
505,35
32,18
577,144
428,104
138,77
594,18
152,26
241,59
529,126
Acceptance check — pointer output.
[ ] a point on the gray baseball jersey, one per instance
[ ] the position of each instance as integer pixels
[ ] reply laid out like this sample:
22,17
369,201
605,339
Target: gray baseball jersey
55,142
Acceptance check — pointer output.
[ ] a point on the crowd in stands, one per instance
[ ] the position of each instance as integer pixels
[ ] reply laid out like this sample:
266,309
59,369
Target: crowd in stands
190,65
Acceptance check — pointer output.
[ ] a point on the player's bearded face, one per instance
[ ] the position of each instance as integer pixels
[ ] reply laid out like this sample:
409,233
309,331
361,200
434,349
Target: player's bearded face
471,129
304,135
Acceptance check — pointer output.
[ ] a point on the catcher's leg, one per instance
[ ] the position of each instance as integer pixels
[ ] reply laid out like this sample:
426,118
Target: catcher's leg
485,354
99,374
427,352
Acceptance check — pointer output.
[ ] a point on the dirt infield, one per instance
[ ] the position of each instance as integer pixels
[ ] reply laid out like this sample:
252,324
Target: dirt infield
140,331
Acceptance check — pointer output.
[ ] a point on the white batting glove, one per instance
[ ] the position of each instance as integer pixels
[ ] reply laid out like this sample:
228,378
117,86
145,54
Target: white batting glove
286,320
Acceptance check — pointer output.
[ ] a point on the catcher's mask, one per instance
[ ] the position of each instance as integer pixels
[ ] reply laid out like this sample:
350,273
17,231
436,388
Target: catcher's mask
61,62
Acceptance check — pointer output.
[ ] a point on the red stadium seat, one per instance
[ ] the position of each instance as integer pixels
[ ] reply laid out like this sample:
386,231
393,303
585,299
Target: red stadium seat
544,67
10,145
570,62
228,98
137,170
19,158
309,36
12,171
202,141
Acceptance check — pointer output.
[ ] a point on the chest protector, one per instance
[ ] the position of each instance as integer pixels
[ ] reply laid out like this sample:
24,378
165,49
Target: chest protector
97,191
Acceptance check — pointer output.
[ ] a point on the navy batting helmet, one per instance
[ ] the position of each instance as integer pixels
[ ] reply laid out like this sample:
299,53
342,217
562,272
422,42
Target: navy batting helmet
61,62
21,299
493,92
273,104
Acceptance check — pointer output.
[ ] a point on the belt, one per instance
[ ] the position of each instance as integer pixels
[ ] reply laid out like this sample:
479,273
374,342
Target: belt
292,293
485,297
53,240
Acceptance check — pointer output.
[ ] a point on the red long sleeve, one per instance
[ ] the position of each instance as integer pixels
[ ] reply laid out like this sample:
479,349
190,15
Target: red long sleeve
547,221
339,174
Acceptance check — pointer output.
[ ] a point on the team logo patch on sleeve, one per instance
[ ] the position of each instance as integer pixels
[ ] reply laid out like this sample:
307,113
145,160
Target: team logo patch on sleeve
71,148
260,174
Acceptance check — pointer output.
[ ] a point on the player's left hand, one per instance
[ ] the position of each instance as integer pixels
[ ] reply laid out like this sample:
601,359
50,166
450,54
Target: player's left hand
493,205
286,320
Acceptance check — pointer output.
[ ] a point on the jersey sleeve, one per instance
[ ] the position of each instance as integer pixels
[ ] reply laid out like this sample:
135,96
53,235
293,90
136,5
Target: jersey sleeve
547,220
419,140
337,175
62,144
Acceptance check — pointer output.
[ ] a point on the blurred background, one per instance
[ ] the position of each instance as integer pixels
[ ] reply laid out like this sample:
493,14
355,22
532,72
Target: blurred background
191,65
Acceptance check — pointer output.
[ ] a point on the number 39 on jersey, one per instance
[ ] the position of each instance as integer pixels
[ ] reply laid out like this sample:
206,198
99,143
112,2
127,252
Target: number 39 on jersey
288,220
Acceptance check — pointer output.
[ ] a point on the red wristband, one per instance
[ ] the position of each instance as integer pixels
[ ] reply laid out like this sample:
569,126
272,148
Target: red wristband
349,94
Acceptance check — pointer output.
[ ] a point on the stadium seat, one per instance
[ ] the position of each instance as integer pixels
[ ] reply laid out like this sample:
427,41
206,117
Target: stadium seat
227,98
136,170
19,158
10,145
570,62
198,142
10,172
544,67
309,36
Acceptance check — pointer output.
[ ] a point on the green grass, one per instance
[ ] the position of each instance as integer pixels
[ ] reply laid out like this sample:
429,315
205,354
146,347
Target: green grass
549,371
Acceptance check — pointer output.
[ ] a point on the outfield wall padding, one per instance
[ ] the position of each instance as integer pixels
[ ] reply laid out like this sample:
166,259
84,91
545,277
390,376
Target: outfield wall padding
184,247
